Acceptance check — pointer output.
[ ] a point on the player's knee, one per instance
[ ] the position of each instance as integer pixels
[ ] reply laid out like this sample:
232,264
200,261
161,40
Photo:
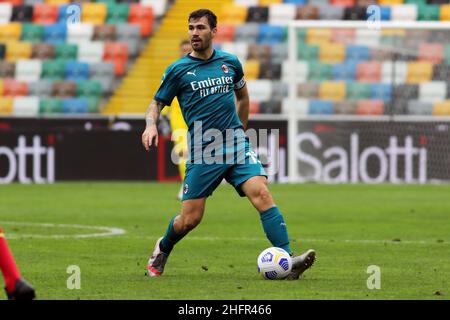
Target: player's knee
264,196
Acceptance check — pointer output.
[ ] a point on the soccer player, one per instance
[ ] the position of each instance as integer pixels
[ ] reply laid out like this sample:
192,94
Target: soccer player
15,286
206,82
178,126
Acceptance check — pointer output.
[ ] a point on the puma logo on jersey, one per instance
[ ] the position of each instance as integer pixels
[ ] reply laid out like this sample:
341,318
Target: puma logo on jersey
192,73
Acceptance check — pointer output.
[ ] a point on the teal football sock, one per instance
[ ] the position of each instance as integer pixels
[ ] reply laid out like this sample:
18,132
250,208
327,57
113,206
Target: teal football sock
170,238
275,228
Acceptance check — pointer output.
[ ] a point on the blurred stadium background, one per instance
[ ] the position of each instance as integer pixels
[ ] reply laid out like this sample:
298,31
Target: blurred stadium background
73,86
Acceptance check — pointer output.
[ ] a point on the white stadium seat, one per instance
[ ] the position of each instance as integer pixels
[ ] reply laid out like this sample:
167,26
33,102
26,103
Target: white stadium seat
159,6
401,71
91,52
282,14
5,12
28,70
26,106
368,37
80,32
246,3
432,91
299,106
240,49
300,71
405,12
259,90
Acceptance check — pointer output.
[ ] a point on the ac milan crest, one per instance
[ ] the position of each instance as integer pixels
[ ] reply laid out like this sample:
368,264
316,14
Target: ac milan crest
186,188
225,68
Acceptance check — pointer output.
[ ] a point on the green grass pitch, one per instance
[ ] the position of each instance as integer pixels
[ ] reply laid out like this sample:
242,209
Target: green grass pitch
404,230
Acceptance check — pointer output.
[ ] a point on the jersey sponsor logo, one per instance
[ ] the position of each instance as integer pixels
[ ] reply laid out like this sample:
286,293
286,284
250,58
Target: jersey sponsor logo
225,68
213,85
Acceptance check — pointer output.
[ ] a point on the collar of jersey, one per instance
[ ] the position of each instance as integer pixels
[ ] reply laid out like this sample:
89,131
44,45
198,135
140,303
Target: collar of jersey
201,60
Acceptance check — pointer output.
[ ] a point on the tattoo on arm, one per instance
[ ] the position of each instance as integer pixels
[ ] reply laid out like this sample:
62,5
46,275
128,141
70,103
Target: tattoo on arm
153,111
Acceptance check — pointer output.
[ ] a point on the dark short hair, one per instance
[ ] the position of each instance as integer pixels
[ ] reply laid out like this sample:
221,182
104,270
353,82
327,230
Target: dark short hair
212,18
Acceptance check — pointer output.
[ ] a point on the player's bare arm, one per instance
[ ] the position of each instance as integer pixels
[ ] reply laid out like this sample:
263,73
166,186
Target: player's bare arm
243,105
150,135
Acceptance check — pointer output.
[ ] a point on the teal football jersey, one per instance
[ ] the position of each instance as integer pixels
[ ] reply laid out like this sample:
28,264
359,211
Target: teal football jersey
205,90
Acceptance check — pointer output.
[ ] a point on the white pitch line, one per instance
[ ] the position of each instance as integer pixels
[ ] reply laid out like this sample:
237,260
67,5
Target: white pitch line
314,240
108,231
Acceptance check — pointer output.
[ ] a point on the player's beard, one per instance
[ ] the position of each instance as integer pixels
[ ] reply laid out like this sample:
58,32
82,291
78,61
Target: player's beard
203,45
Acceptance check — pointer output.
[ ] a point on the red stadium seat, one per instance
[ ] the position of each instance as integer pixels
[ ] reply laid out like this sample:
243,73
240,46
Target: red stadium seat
370,107
225,33
14,88
344,36
343,3
45,13
117,53
144,16
368,71
254,107
431,52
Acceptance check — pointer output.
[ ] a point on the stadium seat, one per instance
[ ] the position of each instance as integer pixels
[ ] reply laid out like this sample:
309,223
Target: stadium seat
415,107
159,6
370,107
81,32
94,13
50,105
66,51
369,71
298,106
10,32
308,52
7,69
2,51
368,37
18,50
345,107
260,90
327,12
22,13
53,70
432,91
55,33
358,91
406,92
142,16
381,91
225,33
343,3
343,36
258,14
281,14
5,13
76,71
57,1
344,71
131,35
33,33
240,49
308,90
117,13
6,105
254,107
357,53
261,52
64,89
318,36
320,107
279,53
355,13
91,52
117,53
26,106
251,69
405,12
270,107
441,72
89,88
429,13
14,88
41,88
432,52
332,90
247,33
387,72
247,3
444,14
270,71
233,14
331,53
390,2
298,2
299,72
105,32
75,105
319,71
419,72
307,12
28,70
45,13
279,91
269,2
441,108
